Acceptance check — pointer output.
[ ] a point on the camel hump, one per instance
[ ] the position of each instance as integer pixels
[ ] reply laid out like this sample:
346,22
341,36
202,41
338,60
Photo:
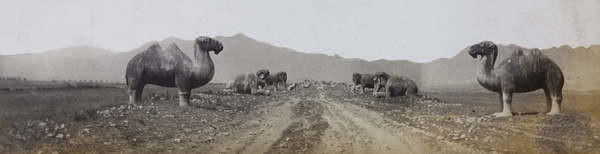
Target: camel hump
155,47
173,48
535,51
519,52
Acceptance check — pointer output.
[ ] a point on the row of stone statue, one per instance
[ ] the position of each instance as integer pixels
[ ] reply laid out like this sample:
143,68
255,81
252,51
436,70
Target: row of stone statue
170,67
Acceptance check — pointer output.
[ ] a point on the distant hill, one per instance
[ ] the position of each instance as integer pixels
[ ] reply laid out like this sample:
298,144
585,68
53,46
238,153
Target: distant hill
244,54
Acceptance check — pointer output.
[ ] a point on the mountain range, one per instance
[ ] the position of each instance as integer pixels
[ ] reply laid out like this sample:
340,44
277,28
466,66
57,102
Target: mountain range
244,54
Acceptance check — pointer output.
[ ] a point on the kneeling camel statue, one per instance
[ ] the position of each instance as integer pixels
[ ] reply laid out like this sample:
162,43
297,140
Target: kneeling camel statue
249,83
364,80
393,85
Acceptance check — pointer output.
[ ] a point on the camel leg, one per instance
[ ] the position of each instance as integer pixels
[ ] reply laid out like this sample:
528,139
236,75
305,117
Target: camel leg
506,104
131,94
184,97
138,93
130,90
388,92
556,96
501,104
375,91
548,99
410,91
403,91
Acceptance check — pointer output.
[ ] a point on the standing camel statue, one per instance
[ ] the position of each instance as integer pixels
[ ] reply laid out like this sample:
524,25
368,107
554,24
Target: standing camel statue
172,68
522,72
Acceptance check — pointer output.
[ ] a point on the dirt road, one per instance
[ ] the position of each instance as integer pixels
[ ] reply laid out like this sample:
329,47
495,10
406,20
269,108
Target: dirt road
310,121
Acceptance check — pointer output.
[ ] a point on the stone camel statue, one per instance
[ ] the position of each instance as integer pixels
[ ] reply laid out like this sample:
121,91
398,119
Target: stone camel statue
364,80
279,77
172,68
522,72
264,77
250,83
394,85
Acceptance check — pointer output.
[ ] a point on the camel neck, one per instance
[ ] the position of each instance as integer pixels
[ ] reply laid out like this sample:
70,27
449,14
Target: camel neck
486,75
201,57
203,67
488,64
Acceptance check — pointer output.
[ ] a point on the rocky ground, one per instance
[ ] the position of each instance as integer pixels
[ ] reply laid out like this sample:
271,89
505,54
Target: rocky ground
309,121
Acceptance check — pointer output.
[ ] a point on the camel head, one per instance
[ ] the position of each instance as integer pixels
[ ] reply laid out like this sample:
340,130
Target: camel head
263,77
483,49
380,80
209,44
356,78
283,77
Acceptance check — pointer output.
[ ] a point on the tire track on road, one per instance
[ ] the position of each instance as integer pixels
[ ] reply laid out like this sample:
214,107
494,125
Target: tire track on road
366,136
279,119
305,133
428,142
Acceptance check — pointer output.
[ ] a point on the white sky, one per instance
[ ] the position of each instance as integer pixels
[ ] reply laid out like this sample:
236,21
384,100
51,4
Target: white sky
418,30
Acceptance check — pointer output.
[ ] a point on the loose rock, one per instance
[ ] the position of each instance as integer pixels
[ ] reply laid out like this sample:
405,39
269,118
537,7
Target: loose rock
60,136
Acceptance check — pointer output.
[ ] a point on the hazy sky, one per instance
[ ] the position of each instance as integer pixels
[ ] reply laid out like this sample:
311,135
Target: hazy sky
417,30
